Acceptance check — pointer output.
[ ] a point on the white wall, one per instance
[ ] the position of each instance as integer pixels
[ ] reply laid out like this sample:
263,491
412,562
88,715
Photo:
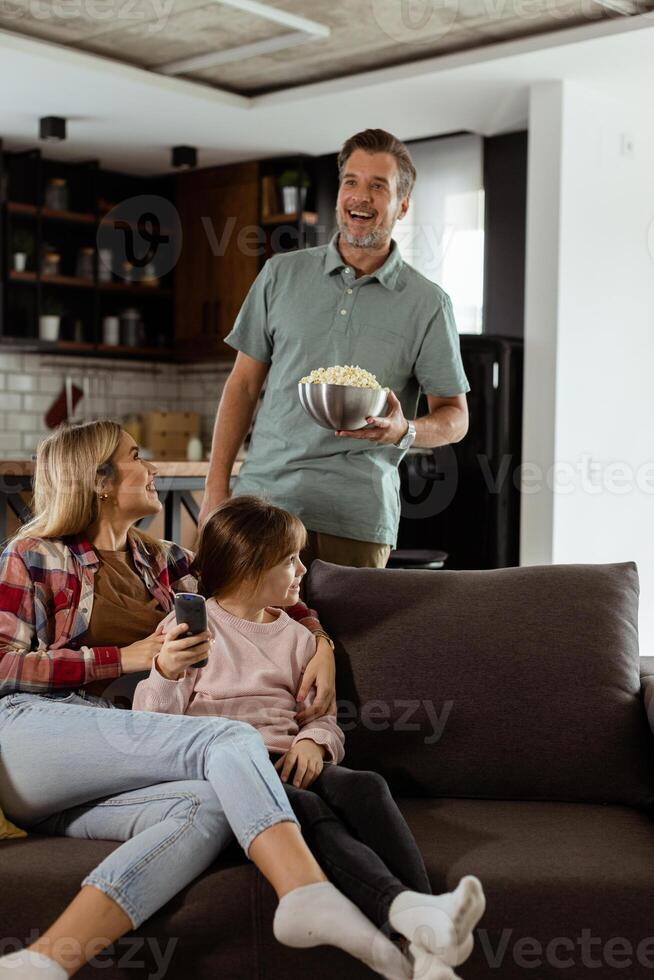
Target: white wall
589,333
29,383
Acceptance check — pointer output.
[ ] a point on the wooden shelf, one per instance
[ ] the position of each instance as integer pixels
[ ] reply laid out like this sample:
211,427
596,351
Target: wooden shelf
131,288
134,225
307,218
77,217
152,352
75,347
134,288
74,281
17,207
29,277
33,210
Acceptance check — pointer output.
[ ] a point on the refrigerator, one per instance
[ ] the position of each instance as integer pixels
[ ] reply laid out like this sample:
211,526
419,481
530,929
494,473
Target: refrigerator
464,499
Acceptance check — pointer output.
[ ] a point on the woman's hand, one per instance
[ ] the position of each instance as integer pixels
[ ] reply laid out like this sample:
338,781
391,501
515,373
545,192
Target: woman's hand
320,673
177,654
139,656
306,756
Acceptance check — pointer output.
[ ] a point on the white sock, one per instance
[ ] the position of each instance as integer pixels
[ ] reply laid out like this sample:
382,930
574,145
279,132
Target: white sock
26,965
427,966
319,915
441,924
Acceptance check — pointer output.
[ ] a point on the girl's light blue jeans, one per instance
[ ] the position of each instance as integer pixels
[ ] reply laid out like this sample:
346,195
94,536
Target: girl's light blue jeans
173,788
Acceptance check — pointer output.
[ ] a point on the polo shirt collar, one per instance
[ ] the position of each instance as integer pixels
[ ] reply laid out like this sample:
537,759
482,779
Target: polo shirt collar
387,273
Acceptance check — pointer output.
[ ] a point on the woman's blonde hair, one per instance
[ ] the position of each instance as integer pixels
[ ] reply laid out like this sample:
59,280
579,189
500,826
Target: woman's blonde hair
70,464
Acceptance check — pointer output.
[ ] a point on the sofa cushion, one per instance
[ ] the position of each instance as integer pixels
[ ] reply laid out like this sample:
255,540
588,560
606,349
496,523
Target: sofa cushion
567,889
577,873
582,874
208,930
515,683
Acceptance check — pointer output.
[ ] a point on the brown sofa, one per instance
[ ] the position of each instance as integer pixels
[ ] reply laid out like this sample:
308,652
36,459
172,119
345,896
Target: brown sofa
505,708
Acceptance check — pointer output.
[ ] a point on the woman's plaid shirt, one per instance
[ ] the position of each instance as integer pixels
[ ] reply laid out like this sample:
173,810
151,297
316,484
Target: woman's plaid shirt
46,598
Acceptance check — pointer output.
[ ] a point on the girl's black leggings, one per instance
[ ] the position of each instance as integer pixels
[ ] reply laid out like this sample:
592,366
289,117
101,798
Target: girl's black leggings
359,837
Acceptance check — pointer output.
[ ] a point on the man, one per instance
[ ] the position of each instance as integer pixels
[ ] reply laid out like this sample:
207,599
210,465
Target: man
354,301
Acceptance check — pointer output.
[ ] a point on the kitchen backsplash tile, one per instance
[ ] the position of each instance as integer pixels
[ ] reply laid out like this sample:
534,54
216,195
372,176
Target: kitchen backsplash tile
30,383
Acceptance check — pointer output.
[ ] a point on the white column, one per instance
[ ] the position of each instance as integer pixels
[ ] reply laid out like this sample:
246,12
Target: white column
589,332
541,320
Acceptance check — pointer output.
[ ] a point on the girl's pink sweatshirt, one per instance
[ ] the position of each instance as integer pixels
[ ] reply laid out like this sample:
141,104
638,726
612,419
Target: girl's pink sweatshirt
253,674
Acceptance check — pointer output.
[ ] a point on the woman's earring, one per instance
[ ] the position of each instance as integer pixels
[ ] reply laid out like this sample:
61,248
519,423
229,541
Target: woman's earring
103,496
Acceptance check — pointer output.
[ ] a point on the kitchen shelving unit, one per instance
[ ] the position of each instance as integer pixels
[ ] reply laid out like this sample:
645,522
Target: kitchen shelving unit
25,295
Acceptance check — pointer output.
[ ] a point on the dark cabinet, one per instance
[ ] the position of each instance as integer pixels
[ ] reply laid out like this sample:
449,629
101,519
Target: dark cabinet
219,257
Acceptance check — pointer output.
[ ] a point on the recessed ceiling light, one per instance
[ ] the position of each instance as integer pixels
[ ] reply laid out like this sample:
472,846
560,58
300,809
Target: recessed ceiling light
185,157
52,128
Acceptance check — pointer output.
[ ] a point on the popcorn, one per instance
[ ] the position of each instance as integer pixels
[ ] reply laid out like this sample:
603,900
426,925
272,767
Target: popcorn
348,374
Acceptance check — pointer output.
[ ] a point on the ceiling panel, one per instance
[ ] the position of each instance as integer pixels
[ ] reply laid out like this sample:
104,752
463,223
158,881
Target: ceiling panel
365,34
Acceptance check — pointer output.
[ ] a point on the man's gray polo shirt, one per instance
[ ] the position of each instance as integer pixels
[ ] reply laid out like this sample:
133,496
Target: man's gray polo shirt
307,310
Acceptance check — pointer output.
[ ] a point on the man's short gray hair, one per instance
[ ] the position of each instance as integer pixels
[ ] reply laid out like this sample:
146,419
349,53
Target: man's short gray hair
379,141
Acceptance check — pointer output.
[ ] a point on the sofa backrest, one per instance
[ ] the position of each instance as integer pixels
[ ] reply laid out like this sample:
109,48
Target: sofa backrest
515,683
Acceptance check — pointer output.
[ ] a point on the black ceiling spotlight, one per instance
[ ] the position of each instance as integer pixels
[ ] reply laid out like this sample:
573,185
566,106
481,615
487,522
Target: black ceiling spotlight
52,128
185,157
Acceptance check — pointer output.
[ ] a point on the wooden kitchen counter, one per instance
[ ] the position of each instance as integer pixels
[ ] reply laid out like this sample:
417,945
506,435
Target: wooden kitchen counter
169,467
180,485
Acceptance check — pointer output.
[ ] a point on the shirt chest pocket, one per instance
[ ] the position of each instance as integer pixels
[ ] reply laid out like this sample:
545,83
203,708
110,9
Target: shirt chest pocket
53,612
385,353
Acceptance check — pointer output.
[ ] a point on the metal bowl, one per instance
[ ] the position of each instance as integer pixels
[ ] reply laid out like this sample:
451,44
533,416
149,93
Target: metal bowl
342,406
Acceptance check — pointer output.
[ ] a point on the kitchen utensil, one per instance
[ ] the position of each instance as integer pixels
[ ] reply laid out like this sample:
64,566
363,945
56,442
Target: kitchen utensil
111,330
56,194
105,265
85,261
50,262
131,328
64,404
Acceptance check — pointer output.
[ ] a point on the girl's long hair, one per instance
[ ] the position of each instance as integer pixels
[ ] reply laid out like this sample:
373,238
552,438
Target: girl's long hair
241,540
69,465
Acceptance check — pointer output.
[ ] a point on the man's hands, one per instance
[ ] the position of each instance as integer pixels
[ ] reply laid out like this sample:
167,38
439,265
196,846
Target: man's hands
387,430
306,757
320,673
177,654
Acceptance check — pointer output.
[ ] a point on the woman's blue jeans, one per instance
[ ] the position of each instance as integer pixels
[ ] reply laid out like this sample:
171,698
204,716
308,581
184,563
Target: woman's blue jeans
173,788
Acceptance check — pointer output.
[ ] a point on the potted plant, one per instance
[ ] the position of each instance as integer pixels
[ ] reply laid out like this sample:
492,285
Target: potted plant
22,246
50,319
293,185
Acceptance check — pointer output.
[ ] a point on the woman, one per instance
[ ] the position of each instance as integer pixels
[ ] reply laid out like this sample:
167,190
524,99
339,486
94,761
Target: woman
73,582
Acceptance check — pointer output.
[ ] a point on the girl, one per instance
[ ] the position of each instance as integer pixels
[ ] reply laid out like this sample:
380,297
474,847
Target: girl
247,564
82,596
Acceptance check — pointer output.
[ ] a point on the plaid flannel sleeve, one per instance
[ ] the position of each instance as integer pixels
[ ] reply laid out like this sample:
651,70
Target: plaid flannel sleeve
179,563
307,617
27,664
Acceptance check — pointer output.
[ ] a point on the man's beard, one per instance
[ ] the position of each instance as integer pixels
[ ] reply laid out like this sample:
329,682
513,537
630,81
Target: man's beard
374,238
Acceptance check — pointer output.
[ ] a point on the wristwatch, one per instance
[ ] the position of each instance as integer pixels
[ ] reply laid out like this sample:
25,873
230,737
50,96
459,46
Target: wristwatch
408,437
